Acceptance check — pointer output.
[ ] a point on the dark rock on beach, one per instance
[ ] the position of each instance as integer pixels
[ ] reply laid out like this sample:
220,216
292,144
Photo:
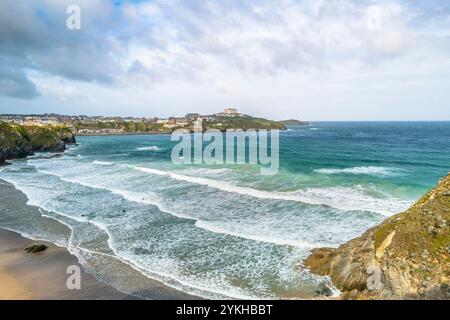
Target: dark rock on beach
4,163
36,248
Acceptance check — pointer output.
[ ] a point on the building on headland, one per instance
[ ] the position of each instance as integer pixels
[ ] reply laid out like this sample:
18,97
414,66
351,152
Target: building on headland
173,122
229,112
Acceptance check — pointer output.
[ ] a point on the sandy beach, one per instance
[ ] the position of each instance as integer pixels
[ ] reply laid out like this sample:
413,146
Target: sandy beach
42,276
37,276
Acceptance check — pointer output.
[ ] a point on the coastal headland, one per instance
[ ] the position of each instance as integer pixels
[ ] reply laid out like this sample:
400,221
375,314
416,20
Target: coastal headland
83,125
405,257
18,141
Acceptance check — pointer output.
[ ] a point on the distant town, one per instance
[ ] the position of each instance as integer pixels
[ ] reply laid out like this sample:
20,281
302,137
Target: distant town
57,119
98,125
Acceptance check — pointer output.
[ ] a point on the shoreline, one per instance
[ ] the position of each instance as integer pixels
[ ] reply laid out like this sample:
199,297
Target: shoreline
43,276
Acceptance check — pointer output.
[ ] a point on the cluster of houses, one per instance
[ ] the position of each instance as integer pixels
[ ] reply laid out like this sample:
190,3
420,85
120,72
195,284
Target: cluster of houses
45,119
36,120
99,131
173,122
169,123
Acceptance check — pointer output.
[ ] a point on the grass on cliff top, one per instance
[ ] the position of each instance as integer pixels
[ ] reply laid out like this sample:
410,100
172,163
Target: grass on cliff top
5,128
37,136
124,126
40,136
9,136
245,123
417,229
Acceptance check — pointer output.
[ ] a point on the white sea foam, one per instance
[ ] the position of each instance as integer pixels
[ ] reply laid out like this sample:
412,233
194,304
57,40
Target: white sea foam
169,280
207,171
151,148
342,198
217,228
151,199
137,197
103,163
368,170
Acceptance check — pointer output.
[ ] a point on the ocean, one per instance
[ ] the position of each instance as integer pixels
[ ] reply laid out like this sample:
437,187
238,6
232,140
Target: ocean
226,231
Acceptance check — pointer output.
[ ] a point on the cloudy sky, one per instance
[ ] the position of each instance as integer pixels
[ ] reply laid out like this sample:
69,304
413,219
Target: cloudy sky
311,59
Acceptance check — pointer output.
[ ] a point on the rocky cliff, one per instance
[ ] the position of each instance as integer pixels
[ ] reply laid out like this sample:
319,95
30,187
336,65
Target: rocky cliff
12,144
406,257
21,141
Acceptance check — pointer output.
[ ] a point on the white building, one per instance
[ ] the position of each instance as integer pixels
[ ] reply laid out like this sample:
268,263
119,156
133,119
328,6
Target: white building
229,112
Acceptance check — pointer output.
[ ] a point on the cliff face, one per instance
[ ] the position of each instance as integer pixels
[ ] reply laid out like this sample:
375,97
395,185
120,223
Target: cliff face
19,141
12,144
405,257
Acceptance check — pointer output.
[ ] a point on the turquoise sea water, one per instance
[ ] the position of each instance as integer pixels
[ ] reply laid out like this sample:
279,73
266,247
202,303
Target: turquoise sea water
227,231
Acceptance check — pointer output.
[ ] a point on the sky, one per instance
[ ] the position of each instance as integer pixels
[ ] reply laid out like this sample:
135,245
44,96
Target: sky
309,60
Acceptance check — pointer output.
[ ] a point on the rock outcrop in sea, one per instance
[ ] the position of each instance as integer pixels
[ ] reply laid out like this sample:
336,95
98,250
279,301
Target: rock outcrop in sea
21,141
405,257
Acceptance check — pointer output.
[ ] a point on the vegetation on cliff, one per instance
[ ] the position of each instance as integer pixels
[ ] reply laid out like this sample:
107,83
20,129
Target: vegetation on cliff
12,143
244,123
18,141
293,122
405,257
123,126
